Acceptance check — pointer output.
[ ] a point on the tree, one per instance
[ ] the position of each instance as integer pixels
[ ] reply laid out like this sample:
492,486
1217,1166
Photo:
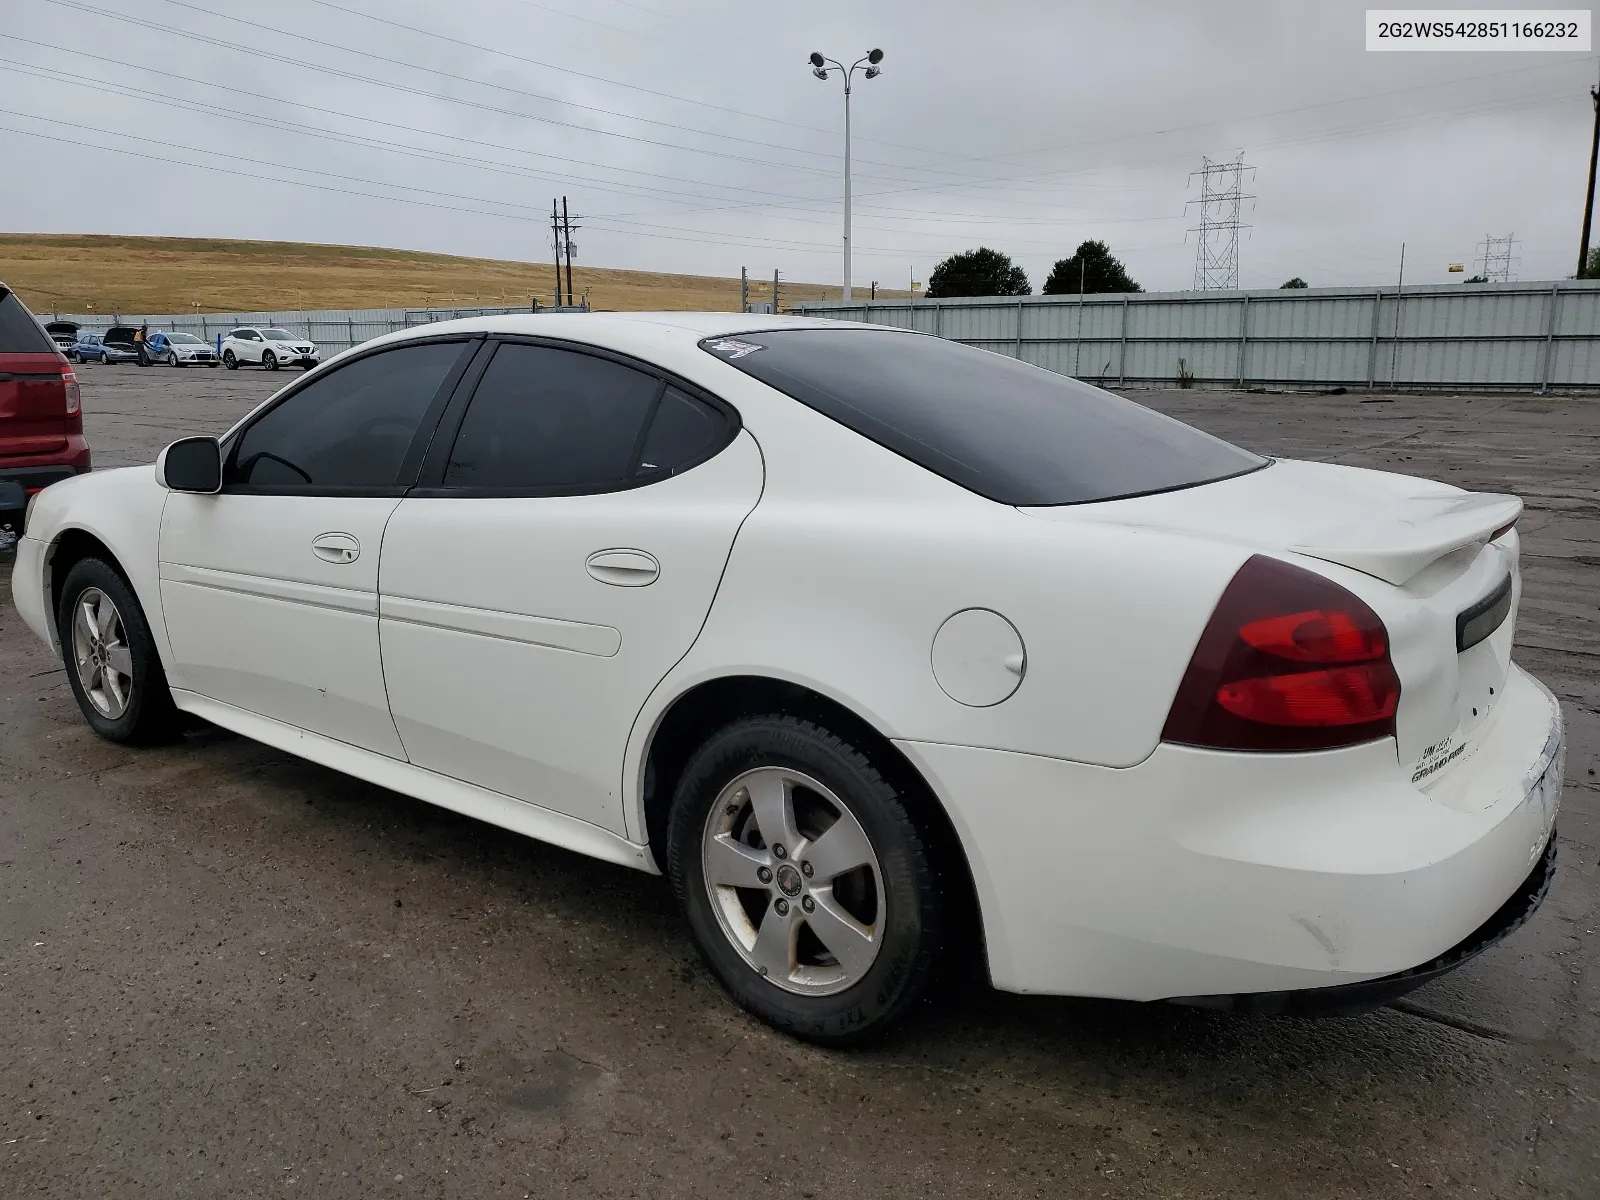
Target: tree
1477,279
1296,282
1591,269
980,272
1094,268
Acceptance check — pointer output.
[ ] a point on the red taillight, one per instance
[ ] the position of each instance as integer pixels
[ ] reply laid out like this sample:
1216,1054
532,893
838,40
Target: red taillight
1502,531
74,393
1289,661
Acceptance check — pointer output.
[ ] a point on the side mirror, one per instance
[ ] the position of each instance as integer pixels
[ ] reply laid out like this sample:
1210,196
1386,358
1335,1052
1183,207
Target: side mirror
191,465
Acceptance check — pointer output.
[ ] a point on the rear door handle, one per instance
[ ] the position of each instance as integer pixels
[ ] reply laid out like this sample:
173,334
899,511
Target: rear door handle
336,547
624,568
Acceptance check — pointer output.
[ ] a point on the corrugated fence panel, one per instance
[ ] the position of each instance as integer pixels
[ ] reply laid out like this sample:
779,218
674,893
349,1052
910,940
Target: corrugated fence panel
1519,335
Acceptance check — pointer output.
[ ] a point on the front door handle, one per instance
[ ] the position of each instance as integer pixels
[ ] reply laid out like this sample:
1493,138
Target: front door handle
336,547
624,568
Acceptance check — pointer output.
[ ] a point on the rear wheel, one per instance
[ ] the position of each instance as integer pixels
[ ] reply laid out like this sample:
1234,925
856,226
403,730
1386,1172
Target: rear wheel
808,884
112,662
229,361
269,360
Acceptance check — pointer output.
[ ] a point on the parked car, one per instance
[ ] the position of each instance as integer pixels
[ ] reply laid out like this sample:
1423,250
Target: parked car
272,348
180,350
124,339
64,334
92,347
858,635
41,411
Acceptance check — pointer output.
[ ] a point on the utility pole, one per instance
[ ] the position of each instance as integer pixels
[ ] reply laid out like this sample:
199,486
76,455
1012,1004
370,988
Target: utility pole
567,229
555,240
774,293
1399,289
1588,204
744,290
1077,342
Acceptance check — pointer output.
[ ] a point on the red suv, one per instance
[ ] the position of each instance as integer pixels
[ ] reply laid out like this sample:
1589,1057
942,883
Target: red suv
41,411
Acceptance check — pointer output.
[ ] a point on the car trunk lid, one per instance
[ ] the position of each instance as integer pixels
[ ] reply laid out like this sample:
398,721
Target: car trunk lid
1440,565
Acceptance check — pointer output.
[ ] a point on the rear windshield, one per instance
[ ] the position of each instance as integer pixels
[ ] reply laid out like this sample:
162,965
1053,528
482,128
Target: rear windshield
20,332
1012,432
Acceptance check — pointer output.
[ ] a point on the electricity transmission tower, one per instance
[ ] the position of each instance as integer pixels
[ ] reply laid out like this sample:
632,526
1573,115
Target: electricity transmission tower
1499,254
1216,262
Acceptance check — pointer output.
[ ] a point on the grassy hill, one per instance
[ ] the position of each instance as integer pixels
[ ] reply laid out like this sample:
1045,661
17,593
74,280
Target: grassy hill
82,273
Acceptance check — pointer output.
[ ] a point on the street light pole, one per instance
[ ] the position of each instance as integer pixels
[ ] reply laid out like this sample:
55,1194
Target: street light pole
821,67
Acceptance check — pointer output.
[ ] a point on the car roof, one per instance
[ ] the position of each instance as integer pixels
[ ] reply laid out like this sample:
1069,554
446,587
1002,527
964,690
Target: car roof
626,329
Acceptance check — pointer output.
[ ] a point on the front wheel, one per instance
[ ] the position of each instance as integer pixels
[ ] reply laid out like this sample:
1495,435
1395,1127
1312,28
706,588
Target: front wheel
172,358
229,361
269,360
112,662
810,888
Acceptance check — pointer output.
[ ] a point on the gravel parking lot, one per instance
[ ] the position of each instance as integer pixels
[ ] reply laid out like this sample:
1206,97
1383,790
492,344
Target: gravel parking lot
226,972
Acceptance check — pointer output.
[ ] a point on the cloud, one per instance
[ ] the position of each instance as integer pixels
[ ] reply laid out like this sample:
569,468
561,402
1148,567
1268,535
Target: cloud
692,137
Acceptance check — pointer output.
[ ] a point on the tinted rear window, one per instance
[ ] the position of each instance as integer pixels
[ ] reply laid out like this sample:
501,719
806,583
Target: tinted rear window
1012,432
20,333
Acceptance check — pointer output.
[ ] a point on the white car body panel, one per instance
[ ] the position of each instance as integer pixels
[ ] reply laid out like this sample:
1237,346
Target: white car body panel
1106,862
258,620
120,508
510,665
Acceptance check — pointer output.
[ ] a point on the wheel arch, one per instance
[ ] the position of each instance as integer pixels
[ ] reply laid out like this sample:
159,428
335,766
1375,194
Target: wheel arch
700,710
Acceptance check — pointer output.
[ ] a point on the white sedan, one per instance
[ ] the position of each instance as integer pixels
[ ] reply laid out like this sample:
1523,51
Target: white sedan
862,637
270,347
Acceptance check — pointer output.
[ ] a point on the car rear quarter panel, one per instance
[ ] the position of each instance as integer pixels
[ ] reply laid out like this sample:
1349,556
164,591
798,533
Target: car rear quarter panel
842,575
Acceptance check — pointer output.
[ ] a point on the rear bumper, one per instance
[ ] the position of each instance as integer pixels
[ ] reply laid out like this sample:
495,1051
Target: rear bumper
1351,998
35,476
1207,876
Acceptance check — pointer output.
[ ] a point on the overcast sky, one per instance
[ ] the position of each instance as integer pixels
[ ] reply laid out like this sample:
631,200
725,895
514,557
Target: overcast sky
692,136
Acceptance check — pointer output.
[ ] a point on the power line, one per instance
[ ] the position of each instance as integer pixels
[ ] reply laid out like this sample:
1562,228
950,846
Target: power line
300,62
257,52
117,88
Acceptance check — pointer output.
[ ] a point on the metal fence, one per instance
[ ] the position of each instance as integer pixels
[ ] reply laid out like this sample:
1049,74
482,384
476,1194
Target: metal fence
332,330
1537,336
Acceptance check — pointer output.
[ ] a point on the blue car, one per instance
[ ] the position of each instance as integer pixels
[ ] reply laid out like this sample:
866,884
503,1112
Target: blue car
91,347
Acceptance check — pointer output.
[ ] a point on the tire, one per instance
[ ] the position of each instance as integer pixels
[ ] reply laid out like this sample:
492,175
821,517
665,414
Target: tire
269,360
146,712
172,358
826,996
229,361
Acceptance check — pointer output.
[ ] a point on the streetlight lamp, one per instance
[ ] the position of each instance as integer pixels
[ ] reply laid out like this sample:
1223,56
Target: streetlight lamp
821,67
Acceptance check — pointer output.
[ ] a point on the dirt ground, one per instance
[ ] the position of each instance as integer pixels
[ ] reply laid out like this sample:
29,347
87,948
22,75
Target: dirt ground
226,972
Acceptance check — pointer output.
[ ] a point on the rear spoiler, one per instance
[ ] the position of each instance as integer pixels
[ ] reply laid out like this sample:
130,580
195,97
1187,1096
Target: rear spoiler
1422,530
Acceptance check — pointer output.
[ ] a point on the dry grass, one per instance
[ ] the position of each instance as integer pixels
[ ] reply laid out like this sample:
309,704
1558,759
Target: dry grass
82,273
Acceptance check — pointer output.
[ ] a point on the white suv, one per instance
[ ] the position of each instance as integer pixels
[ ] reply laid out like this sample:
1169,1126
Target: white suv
272,348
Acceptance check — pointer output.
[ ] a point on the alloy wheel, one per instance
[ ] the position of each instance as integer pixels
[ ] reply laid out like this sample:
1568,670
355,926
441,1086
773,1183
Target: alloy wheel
794,881
100,653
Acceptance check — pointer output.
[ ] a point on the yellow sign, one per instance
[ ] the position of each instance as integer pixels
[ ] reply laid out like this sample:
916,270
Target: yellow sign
1456,268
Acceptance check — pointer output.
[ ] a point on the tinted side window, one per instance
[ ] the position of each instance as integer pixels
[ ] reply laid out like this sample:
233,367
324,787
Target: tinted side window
545,419
1010,431
19,332
350,429
683,429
